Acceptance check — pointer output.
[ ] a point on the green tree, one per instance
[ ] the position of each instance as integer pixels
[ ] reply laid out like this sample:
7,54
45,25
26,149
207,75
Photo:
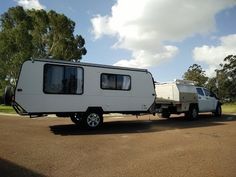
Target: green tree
53,36
197,74
226,77
212,85
37,34
15,41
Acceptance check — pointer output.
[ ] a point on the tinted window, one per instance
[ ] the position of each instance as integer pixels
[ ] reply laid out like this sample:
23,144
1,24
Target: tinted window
70,80
207,92
200,92
123,82
108,81
53,79
115,82
63,79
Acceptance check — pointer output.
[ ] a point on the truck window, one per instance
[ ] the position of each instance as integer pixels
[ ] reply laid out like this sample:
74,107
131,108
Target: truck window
200,92
207,92
62,79
115,82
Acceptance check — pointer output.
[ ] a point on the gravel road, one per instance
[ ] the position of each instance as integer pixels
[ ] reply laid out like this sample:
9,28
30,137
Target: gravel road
144,147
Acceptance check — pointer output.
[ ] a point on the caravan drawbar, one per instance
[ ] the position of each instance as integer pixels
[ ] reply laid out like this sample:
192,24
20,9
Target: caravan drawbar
82,91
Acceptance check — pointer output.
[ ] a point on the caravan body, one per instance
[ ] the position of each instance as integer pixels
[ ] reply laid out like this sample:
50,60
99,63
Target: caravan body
54,86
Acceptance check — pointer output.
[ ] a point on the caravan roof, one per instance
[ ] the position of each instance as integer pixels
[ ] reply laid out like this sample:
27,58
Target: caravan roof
90,64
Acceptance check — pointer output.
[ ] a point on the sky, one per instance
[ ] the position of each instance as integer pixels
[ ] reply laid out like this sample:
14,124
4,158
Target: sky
163,36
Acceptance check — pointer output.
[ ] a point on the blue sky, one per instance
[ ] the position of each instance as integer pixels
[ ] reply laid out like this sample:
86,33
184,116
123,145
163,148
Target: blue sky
164,36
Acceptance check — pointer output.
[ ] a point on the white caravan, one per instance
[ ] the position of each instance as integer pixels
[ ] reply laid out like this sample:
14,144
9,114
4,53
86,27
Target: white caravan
183,96
82,91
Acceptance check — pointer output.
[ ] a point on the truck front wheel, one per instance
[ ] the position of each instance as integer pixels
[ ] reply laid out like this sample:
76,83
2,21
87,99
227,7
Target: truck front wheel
218,111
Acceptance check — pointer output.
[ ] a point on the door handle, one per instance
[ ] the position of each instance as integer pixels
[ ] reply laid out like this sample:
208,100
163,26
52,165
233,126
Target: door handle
19,90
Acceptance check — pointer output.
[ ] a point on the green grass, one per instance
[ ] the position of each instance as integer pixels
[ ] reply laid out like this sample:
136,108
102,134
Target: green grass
229,108
226,108
6,109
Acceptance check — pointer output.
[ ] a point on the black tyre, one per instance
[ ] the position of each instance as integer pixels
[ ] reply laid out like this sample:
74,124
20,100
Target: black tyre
8,95
165,114
93,120
218,111
192,114
76,118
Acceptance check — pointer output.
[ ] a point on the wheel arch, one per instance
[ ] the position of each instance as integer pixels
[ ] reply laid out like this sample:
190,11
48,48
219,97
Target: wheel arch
191,105
95,109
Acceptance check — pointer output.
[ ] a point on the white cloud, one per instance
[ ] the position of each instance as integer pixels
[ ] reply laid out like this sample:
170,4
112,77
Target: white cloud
30,4
146,58
214,55
145,26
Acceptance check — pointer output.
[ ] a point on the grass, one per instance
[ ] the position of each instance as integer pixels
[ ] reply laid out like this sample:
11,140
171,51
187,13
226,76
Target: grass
229,108
226,108
6,109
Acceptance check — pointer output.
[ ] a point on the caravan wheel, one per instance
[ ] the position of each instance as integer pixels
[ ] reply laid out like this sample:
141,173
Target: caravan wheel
93,120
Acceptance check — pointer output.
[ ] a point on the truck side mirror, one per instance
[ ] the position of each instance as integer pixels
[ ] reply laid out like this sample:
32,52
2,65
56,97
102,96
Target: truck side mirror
213,95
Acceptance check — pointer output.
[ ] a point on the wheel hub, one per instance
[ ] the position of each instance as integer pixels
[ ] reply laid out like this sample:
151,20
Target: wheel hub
93,120
194,113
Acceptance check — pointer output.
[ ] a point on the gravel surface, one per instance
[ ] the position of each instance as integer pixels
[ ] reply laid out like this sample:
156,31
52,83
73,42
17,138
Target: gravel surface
130,147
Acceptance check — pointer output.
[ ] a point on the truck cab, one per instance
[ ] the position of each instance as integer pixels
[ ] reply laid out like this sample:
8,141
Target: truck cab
207,101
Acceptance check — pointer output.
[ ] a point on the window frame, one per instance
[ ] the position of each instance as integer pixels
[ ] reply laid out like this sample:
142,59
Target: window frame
64,70
207,92
130,86
198,88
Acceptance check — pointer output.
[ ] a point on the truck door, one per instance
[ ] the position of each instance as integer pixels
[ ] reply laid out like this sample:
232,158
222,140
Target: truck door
210,100
202,101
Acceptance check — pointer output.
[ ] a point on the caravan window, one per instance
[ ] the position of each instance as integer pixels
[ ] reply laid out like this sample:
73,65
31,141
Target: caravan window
109,81
63,79
115,82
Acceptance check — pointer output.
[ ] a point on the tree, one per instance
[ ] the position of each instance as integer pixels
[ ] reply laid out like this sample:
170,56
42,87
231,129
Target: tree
197,74
37,34
212,85
53,36
226,77
15,42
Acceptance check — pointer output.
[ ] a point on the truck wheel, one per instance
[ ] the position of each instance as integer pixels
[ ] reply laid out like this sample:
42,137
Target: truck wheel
218,111
165,114
93,120
192,113
76,118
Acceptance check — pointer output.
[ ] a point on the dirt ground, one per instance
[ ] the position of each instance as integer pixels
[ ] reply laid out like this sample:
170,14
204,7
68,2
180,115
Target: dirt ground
130,147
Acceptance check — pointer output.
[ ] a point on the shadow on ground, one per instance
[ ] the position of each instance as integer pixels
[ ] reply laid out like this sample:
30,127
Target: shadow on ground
10,169
143,126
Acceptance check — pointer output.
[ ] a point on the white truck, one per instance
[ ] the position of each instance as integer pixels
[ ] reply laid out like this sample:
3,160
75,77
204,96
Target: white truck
82,91
182,96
